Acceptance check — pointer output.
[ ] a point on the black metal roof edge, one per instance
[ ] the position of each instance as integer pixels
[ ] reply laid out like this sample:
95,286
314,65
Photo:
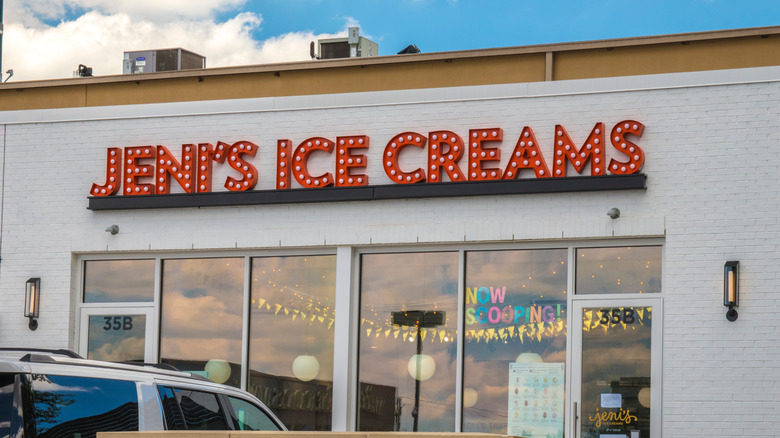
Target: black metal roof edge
371,193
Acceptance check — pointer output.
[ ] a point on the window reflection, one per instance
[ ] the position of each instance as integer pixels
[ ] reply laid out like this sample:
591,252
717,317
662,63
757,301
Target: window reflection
200,410
63,406
616,354
291,338
6,404
423,282
113,281
515,304
247,416
116,338
631,269
202,316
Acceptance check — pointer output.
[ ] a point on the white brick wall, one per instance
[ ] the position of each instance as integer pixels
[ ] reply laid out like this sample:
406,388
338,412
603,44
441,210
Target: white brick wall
711,159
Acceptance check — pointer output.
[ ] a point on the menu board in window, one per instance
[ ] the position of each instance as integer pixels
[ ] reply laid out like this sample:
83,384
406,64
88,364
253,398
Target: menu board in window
536,399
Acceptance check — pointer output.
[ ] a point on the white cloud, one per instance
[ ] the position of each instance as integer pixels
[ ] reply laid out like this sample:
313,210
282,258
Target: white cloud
157,10
99,40
32,11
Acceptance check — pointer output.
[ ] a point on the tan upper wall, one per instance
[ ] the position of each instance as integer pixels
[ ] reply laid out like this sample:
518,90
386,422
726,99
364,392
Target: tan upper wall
742,48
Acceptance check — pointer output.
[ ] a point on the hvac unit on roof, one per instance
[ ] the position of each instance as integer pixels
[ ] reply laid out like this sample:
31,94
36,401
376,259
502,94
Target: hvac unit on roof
147,61
353,46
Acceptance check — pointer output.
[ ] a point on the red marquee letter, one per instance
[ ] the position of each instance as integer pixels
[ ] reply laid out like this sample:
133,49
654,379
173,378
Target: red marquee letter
526,155
636,157
135,170
393,150
206,153
479,154
167,166
301,158
593,151
113,174
283,160
346,161
235,154
444,151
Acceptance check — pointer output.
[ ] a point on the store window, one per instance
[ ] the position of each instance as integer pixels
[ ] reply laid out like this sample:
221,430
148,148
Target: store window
291,338
408,349
515,342
119,294
116,338
615,270
202,317
118,281
616,376
514,318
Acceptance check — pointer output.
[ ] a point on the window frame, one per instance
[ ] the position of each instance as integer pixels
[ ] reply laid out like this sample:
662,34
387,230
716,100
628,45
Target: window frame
344,414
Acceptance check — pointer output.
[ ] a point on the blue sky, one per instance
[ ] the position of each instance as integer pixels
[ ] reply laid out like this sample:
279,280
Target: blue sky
50,38
441,25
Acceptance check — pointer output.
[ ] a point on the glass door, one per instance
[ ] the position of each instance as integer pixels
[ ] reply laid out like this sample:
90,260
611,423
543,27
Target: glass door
117,334
616,368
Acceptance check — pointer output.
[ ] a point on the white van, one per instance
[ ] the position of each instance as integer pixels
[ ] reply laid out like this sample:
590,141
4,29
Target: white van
58,394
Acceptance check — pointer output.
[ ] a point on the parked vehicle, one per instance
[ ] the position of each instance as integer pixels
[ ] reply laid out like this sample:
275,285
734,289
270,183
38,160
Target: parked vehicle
56,393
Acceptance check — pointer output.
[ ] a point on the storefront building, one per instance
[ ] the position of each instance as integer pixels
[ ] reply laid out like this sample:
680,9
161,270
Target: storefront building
528,241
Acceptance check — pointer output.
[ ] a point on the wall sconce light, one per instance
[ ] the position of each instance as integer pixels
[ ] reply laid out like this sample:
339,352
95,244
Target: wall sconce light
32,298
731,289
113,229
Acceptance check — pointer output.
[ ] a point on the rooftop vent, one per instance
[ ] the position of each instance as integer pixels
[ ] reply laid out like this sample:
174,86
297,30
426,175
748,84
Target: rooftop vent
411,48
147,61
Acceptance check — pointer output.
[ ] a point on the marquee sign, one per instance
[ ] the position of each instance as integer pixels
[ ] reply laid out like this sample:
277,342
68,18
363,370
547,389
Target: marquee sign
147,171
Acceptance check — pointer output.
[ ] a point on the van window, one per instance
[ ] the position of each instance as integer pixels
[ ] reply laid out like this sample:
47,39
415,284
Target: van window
6,403
171,411
67,406
247,416
194,410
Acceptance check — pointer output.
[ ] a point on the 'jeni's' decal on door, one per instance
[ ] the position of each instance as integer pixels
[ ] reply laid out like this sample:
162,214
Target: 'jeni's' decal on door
147,170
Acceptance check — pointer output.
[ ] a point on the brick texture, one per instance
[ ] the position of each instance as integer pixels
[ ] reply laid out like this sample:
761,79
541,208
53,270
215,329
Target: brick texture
713,194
